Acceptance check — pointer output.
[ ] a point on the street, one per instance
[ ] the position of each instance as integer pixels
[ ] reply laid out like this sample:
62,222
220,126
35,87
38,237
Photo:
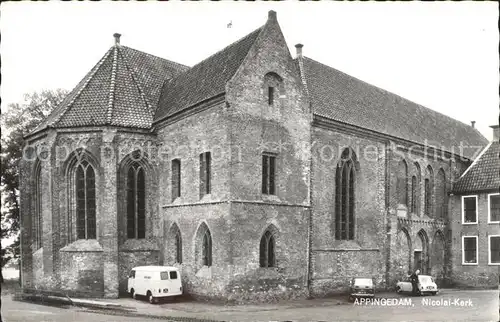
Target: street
15,311
450,305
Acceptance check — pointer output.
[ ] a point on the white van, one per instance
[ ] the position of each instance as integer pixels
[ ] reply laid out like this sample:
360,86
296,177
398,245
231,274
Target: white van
155,282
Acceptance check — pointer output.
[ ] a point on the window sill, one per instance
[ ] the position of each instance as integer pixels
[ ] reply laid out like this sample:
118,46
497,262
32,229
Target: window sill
494,222
83,245
266,197
138,245
494,264
469,264
469,223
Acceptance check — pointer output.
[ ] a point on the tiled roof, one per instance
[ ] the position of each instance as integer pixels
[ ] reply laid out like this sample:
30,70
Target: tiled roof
483,174
338,96
121,90
204,80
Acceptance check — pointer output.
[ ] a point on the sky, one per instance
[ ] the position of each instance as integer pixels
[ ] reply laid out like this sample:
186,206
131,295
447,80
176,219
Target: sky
443,55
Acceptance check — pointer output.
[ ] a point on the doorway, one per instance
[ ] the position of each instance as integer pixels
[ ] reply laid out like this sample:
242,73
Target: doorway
417,260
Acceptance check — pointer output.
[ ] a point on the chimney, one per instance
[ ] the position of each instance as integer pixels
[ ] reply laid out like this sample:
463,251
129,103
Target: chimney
298,48
472,123
272,15
117,38
495,132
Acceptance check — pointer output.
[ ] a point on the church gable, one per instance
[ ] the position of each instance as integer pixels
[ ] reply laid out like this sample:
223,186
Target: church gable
205,80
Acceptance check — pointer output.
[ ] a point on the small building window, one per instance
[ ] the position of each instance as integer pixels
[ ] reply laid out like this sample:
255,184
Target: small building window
205,173
469,250
268,174
494,250
469,210
494,208
267,250
270,95
176,179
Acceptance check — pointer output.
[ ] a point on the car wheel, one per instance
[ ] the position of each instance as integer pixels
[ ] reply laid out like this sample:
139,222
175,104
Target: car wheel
434,293
398,290
132,294
151,298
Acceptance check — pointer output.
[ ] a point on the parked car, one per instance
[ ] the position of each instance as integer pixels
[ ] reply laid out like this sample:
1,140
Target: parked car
426,284
154,282
361,287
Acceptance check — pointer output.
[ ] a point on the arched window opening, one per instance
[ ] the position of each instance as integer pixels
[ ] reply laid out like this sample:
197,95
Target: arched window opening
85,201
345,197
136,202
402,183
178,247
206,251
268,250
413,208
441,195
429,190
273,86
37,219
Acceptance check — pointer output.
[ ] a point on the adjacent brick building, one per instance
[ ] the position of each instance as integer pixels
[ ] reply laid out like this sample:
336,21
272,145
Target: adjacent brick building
475,221
261,175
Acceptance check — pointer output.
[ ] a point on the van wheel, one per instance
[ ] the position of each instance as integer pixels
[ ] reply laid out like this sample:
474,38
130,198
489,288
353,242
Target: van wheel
151,298
398,290
132,294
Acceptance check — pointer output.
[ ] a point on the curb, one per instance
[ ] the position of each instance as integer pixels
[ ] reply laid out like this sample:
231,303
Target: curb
49,299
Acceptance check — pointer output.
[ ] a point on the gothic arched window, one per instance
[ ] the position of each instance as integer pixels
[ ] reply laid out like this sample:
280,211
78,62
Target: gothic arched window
402,184
268,249
136,202
85,201
37,219
206,250
345,196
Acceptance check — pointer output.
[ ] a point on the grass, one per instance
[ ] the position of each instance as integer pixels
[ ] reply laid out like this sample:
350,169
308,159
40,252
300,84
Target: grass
10,286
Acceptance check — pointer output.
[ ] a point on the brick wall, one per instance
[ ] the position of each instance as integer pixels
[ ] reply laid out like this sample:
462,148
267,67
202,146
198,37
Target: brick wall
474,276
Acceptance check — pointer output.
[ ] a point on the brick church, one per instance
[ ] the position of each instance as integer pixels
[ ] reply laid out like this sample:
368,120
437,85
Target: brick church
260,174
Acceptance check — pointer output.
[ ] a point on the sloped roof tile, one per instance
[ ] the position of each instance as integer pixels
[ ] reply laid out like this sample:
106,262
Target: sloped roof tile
122,89
204,80
483,174
338,96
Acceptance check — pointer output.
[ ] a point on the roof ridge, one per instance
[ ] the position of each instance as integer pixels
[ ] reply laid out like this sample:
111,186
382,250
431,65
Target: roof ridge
112,86
223,49
155,56
391,93
476,160
90,76
137,84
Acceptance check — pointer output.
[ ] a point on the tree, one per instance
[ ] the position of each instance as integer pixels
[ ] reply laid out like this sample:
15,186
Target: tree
19,120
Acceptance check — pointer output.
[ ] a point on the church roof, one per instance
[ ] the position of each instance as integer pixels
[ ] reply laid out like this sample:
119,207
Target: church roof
483,174
204,80
123,90
340,97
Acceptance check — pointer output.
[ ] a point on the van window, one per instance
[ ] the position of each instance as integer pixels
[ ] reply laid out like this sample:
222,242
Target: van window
173,275
164,275
132,274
